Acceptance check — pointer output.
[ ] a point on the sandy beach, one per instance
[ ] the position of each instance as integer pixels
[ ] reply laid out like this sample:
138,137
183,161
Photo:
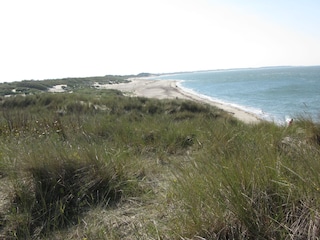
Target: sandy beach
169,89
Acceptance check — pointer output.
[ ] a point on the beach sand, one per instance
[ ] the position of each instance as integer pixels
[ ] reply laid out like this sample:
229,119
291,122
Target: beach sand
169,89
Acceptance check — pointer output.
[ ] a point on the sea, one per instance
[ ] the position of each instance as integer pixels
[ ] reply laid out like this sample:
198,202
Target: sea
272,93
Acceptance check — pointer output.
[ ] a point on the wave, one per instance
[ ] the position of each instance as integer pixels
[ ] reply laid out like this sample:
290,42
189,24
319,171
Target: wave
255,111
273,94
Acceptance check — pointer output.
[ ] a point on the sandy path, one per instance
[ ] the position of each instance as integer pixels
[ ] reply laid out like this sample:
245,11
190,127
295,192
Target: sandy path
165,89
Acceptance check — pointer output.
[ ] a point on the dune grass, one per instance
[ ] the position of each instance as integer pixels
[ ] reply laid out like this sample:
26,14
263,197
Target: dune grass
248,183
94,164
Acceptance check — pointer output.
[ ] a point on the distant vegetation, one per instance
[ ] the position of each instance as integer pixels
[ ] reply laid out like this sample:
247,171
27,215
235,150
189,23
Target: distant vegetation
144,75
94,164
32,86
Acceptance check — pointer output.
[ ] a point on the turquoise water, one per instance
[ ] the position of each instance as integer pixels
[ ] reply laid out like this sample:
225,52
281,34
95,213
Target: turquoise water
275,94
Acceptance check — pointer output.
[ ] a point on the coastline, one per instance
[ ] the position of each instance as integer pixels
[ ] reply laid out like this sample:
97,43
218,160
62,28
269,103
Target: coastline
169,89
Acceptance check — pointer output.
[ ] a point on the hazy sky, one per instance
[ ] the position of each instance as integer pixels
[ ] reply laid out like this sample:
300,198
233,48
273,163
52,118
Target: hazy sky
74,38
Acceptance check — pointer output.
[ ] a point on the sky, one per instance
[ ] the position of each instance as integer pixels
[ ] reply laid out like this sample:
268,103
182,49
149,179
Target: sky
47,39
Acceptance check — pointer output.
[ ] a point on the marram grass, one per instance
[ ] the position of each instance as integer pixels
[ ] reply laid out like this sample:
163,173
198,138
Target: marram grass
247,185
97,165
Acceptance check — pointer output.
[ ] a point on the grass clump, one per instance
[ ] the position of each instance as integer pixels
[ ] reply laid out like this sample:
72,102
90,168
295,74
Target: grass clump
53,188
243,186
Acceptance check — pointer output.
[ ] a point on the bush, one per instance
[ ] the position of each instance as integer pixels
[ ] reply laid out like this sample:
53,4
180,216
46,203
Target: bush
32,84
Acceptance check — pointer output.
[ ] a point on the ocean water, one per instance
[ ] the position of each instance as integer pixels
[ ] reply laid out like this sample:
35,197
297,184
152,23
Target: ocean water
274,94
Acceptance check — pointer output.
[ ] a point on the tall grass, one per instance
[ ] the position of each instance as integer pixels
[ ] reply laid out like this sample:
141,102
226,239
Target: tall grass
96,164
55,182
65,154
247,185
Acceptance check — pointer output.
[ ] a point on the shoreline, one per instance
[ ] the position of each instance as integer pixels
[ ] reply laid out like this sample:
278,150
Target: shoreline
170,89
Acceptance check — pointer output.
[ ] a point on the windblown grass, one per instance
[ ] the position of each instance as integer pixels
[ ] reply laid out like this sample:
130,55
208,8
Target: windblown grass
94,164
247,184
65,154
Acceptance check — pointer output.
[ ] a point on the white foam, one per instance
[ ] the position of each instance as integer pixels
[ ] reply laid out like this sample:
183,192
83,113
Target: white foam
258,112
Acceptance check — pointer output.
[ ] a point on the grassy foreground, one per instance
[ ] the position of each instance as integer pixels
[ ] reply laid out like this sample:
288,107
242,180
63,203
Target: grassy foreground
94,164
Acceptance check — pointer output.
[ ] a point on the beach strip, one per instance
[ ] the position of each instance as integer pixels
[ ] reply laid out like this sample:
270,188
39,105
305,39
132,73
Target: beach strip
169,89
